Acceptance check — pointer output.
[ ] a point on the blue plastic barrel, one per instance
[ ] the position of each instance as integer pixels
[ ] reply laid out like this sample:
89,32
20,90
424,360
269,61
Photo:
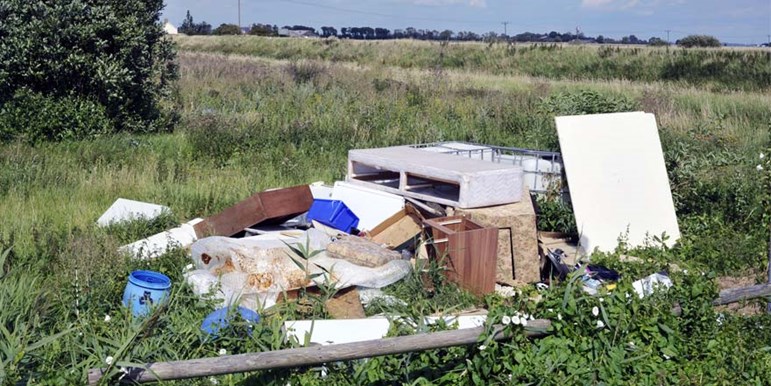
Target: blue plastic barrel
145,289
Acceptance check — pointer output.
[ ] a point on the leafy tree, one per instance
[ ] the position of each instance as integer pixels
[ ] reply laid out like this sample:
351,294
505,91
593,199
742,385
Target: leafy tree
328,31
657,42
91,66
263,30
189,27
698,41
227,29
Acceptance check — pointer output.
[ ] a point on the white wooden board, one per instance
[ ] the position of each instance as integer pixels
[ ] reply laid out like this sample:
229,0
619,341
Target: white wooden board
370,205
126,210
617,177
335,331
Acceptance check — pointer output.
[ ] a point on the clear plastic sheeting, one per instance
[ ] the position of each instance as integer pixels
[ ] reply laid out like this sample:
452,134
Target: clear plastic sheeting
253,272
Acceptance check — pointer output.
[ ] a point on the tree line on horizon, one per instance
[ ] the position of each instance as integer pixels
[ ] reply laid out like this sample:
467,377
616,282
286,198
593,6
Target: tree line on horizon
190,27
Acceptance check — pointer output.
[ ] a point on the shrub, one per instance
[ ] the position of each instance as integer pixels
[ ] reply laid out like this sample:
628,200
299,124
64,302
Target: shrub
34,117
586,102
102,55
227,29
698,41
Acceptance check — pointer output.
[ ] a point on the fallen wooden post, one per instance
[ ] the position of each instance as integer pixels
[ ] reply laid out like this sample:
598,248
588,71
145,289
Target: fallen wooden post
734,295
315,355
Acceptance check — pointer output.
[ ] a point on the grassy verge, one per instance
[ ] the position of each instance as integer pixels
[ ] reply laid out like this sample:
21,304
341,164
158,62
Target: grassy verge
252,123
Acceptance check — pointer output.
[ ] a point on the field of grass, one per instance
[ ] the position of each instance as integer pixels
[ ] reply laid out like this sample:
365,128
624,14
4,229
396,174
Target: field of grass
259,113
724,69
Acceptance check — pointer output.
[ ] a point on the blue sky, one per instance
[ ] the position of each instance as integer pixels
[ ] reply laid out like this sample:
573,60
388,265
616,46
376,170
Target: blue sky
732,21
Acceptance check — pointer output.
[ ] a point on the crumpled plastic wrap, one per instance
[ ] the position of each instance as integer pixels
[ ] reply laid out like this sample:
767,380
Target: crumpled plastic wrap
253,272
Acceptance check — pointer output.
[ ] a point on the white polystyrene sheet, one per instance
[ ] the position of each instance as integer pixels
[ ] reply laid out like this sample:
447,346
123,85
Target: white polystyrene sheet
126,210
617,177
336,331
370,205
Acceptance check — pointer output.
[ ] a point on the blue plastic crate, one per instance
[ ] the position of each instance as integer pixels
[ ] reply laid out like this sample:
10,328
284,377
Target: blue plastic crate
333,213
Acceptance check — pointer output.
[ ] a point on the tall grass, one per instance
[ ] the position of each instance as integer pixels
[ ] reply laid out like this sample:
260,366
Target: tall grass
251,123
724,69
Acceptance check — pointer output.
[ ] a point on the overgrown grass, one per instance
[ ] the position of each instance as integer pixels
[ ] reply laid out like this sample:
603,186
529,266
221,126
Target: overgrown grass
714,69
250,123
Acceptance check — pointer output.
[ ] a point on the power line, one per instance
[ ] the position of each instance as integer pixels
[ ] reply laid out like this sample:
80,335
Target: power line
324,6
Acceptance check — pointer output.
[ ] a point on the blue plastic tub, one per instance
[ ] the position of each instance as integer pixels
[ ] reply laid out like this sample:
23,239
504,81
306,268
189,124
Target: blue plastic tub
221,318
333,213
145,289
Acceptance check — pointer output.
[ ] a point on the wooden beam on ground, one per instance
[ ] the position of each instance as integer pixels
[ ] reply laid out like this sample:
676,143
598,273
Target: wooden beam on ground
315,355
735,295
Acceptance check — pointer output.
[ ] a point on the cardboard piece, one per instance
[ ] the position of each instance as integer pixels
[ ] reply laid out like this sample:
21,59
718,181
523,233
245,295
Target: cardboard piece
277,206
360,251
618,180
370,205
400,230
332,331
126,210
345,305
518,262
469,251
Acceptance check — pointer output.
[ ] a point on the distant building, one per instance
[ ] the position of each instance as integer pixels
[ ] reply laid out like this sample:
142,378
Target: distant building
169,28
297,33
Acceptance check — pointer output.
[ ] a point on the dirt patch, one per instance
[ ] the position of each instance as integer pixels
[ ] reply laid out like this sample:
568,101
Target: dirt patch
751,307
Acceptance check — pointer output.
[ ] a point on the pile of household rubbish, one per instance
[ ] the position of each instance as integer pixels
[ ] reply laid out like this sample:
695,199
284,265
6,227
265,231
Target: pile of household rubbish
467,206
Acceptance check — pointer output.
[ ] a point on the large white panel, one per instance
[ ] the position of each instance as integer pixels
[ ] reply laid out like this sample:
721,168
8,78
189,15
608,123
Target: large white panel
125,210
617,178
370,205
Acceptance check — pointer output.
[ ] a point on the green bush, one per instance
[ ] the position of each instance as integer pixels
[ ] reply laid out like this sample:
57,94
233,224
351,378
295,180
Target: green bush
698,41
34,117
100,55
586,102
227,29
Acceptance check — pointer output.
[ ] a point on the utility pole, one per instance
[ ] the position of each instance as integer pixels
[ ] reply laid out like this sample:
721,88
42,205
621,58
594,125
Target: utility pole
669,30
239,16
505,32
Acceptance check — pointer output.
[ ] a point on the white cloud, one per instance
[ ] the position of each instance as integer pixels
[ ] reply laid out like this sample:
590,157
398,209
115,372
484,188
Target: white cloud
640,5
471,3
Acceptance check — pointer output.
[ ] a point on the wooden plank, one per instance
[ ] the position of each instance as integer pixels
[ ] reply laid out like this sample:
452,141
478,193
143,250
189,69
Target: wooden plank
734,295
275,205
314,355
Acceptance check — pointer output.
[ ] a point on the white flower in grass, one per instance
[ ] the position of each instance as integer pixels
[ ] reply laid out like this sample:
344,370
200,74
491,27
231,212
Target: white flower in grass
214,381
107,318
109,360
665,356
550,310
559,316
602,300
600,324
628,295
506,319
482,347
762,155
759,167
595,311
516,320
223,351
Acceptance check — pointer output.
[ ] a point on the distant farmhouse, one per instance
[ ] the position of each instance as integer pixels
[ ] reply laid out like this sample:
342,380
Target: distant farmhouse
286,32
169,28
